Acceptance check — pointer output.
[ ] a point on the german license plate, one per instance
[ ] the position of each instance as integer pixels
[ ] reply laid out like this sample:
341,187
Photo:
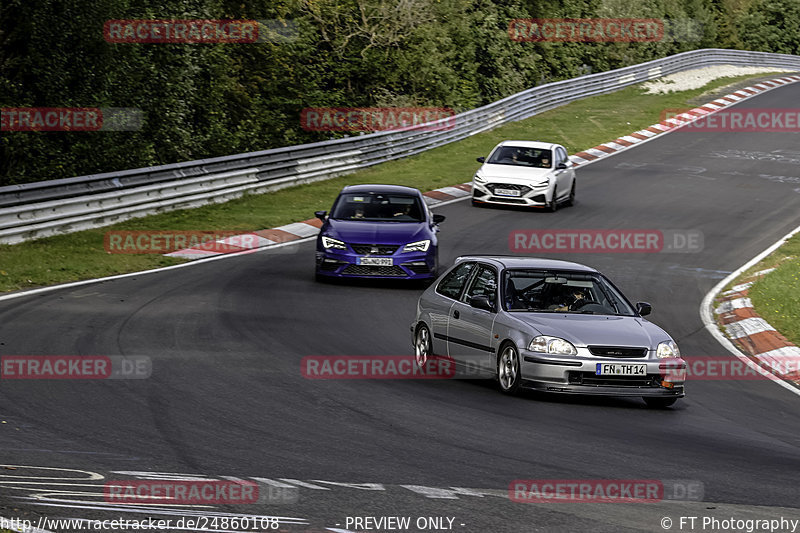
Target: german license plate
506,192
375,261
618,369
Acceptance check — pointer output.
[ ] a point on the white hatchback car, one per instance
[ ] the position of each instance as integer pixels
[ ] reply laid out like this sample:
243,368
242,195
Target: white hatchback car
525,173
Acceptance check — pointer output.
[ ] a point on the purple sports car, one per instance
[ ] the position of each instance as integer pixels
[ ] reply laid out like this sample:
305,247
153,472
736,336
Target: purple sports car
378,231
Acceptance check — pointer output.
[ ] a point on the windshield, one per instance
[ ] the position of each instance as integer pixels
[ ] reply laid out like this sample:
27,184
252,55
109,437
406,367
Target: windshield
378,207
521,156
553,291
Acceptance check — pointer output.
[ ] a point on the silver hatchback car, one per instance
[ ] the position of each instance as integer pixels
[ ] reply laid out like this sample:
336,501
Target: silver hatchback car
547,325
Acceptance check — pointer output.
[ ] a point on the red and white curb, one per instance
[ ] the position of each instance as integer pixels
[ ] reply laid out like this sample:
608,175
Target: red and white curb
604,150
310,227
755,336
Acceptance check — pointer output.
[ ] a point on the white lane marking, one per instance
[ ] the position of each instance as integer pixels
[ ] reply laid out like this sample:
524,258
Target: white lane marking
92,475
442,494
747,327
163,476
148,509
151,271
303,484
360,486
711,326
273,483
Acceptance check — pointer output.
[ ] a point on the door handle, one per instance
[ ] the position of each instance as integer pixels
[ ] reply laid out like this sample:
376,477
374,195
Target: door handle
456,314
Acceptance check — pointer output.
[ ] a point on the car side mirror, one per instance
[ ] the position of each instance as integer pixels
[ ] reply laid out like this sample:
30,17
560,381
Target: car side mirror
321,215
481,301
643,308
561,166
438,219
480,159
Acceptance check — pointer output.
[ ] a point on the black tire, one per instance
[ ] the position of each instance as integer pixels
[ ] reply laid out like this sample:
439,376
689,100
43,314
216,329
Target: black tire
571,201
553,206
659,403
423,346
508,369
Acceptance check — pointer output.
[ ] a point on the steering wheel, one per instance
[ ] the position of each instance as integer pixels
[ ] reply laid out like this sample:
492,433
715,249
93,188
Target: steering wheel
582,303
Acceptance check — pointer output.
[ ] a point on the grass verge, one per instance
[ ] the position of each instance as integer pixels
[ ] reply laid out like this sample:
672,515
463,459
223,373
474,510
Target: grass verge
578,126
775,296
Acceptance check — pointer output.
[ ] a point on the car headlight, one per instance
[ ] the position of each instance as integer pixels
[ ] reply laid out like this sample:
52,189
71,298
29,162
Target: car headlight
546,181
667,349
477,177
327,242
552,345
419,246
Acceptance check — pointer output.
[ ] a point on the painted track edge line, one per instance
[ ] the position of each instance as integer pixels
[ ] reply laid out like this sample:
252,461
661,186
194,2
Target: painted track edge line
707,313
49,288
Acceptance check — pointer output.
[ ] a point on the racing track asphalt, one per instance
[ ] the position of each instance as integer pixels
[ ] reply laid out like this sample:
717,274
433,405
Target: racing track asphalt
226,396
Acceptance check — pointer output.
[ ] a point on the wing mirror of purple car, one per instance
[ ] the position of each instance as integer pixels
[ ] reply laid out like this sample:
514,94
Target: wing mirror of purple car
438,219
643,308
480,159
321,215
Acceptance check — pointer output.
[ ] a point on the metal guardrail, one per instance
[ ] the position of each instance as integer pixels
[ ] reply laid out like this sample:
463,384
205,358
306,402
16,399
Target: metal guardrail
45,208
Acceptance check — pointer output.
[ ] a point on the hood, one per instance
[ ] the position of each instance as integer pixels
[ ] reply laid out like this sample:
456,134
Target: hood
585,330
512,172
366,232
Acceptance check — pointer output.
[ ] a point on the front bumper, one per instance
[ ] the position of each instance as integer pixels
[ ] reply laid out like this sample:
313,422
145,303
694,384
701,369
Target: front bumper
530,196
345,264
578,375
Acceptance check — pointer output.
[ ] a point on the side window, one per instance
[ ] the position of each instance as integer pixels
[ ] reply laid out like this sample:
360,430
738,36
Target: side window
484,283
561,155
453,282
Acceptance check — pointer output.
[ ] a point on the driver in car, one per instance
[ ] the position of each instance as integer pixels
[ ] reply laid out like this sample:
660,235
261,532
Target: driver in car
572,300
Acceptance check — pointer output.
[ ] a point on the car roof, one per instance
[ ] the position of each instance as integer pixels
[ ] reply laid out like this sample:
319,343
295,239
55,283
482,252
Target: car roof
516,261
378,188
529,144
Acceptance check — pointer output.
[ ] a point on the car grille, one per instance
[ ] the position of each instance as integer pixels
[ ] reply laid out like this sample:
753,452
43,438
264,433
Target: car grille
592,379
507,200
382,249
523,189
618,351
368,270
